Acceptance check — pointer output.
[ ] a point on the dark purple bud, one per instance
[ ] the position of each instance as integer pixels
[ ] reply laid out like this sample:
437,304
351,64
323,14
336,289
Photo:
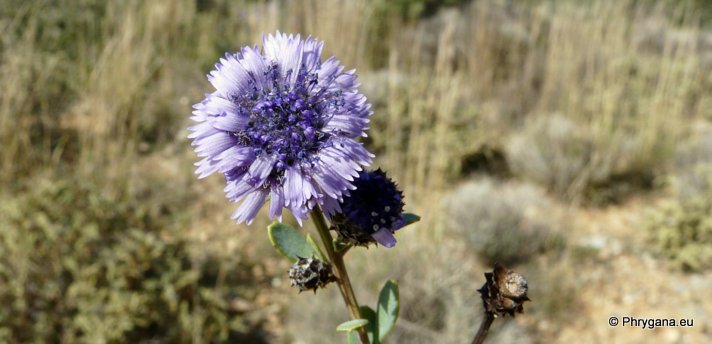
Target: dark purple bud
371,213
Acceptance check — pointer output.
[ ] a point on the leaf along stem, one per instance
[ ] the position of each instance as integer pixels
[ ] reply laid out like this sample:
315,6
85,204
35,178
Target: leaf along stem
342,277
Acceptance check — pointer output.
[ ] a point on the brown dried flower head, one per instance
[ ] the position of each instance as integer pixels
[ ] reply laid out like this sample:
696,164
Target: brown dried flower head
504,292
310,274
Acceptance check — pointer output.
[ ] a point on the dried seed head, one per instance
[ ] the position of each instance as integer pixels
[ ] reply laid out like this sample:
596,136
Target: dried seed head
310,274
504,292
514,286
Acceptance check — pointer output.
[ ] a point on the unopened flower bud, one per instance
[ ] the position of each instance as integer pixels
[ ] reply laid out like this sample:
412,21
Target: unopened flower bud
372,212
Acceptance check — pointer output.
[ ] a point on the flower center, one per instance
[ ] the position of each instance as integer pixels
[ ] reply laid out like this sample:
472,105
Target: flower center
287,122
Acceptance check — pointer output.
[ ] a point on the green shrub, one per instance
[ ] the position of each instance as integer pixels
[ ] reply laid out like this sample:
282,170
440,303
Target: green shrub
78,265
681,230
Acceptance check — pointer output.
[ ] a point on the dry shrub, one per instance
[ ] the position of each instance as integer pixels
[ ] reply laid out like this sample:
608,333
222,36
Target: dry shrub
619,115
554,286
623,79
555,152
506,223
692,170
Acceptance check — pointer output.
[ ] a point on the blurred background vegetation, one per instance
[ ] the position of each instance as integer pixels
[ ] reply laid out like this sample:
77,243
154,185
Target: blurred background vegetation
571,140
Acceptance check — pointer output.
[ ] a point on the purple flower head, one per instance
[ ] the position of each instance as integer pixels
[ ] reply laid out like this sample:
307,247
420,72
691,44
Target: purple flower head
282,124
372,212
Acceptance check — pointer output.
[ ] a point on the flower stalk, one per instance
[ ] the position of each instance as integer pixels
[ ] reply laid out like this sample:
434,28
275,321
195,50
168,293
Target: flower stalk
484,328
342,276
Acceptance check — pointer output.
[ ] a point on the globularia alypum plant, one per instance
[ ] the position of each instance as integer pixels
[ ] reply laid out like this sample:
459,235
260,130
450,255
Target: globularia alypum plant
282,125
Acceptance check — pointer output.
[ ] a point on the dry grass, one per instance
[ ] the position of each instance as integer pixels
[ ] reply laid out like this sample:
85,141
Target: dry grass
102,91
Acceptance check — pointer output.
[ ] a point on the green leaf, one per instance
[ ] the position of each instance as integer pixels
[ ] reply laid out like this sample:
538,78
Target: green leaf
316,247
352,338
410,219
289,242
372,327
388,307
351,325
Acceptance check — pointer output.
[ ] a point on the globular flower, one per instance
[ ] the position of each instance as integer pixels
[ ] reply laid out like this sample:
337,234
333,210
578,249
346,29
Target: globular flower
310,274
282,124
372,212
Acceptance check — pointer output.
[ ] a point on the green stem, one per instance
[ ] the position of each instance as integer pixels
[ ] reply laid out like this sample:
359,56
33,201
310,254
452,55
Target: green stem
342,277
484,328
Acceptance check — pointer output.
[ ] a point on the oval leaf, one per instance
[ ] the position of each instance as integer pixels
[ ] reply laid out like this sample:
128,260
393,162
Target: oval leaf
289,242
352,338
351,325
388,308
372,327
316,248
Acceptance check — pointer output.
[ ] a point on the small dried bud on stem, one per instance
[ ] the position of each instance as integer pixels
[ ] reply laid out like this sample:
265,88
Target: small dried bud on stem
310,274
503,293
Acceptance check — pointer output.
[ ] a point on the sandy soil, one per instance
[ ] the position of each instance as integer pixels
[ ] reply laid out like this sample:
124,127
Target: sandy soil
627,281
